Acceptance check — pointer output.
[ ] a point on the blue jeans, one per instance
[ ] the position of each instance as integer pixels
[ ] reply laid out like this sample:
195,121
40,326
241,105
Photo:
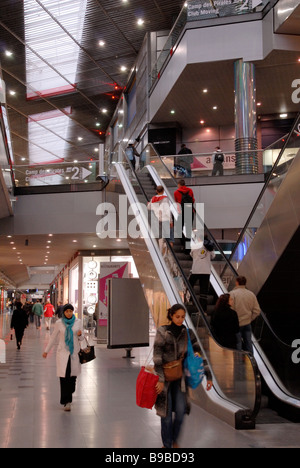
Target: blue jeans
245,339
170,428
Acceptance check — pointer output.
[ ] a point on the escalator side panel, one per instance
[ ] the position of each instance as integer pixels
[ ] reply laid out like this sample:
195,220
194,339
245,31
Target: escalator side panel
279,226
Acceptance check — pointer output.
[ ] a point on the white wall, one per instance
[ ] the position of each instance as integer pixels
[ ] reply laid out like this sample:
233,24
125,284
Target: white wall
227,206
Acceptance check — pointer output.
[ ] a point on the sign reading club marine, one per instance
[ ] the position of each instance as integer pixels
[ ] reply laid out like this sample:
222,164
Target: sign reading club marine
198,10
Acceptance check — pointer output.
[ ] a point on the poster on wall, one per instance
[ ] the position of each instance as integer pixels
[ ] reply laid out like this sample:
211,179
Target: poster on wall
109,270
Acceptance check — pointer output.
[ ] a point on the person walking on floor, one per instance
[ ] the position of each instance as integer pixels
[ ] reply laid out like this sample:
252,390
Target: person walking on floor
184,160
225,323
49,311
19,322
170,344
37,310
247,308
218,161
202,254
69,331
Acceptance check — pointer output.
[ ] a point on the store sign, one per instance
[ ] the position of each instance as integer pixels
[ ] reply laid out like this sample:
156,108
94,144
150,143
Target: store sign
197,9
109,270
205,163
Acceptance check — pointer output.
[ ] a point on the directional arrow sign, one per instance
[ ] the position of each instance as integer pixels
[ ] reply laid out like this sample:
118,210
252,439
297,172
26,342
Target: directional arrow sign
85,173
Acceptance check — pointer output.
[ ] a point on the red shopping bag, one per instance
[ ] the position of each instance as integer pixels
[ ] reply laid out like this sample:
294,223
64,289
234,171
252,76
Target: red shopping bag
145,389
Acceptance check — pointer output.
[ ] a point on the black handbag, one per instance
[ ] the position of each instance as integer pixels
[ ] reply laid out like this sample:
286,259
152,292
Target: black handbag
87,354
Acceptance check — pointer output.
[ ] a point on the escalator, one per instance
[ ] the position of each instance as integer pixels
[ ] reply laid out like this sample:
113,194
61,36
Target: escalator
280,382
235,397
268,254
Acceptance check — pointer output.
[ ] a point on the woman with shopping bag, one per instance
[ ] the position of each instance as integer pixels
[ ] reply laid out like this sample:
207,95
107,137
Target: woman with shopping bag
170,350
69,331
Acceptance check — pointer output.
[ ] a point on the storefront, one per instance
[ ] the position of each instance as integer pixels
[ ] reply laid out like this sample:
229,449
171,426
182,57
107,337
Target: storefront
78,282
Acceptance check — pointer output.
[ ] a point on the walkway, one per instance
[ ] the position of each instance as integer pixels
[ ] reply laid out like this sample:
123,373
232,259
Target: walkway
104,412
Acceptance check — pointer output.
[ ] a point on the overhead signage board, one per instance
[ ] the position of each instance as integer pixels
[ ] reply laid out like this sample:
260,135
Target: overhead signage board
58,174
198,10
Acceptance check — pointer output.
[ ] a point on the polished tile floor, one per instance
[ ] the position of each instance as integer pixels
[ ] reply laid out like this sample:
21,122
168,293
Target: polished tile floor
104,413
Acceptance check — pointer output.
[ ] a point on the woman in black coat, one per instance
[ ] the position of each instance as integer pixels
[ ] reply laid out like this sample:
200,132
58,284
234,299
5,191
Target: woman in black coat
225,323
19,322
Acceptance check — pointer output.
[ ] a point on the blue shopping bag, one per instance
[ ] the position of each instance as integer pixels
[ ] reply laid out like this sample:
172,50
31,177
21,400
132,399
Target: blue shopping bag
193,366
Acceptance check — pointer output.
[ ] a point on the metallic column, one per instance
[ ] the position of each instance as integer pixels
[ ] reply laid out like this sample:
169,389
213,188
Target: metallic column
245,118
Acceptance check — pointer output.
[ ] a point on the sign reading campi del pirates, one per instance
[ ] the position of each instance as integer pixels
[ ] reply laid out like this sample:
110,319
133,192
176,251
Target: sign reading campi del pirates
201,9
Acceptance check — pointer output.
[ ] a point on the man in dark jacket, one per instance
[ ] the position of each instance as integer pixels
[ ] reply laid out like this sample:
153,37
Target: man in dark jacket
185,159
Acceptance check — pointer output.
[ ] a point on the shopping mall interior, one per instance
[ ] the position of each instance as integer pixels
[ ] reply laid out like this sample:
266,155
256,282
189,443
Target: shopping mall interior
101,102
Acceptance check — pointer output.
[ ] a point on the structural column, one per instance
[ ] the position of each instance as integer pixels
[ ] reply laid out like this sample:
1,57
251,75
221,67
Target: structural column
245,118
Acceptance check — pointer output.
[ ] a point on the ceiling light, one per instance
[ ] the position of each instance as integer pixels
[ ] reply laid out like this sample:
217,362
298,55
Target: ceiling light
140,22
104,111
101,43
172,111
8,53
205,91
123,68
202,122
79,138
12,92
283,116
215,108
259,104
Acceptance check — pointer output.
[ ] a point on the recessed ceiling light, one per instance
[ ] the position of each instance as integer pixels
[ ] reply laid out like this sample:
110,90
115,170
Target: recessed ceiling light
259,104
101,43
12,92
205,91
283,116
8,53
140,22
215,107
172,111
202,122
104,111
123,68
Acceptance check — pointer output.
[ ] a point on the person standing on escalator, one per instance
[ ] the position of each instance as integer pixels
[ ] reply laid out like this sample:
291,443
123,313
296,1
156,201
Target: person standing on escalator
131,153
202,255
184,197
160,206
246,305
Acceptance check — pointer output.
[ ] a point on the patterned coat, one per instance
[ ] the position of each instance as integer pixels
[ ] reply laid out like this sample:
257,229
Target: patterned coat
168,348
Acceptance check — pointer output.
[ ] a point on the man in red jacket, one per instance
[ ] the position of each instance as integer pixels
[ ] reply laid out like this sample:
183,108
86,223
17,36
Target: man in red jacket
49,311
184,196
